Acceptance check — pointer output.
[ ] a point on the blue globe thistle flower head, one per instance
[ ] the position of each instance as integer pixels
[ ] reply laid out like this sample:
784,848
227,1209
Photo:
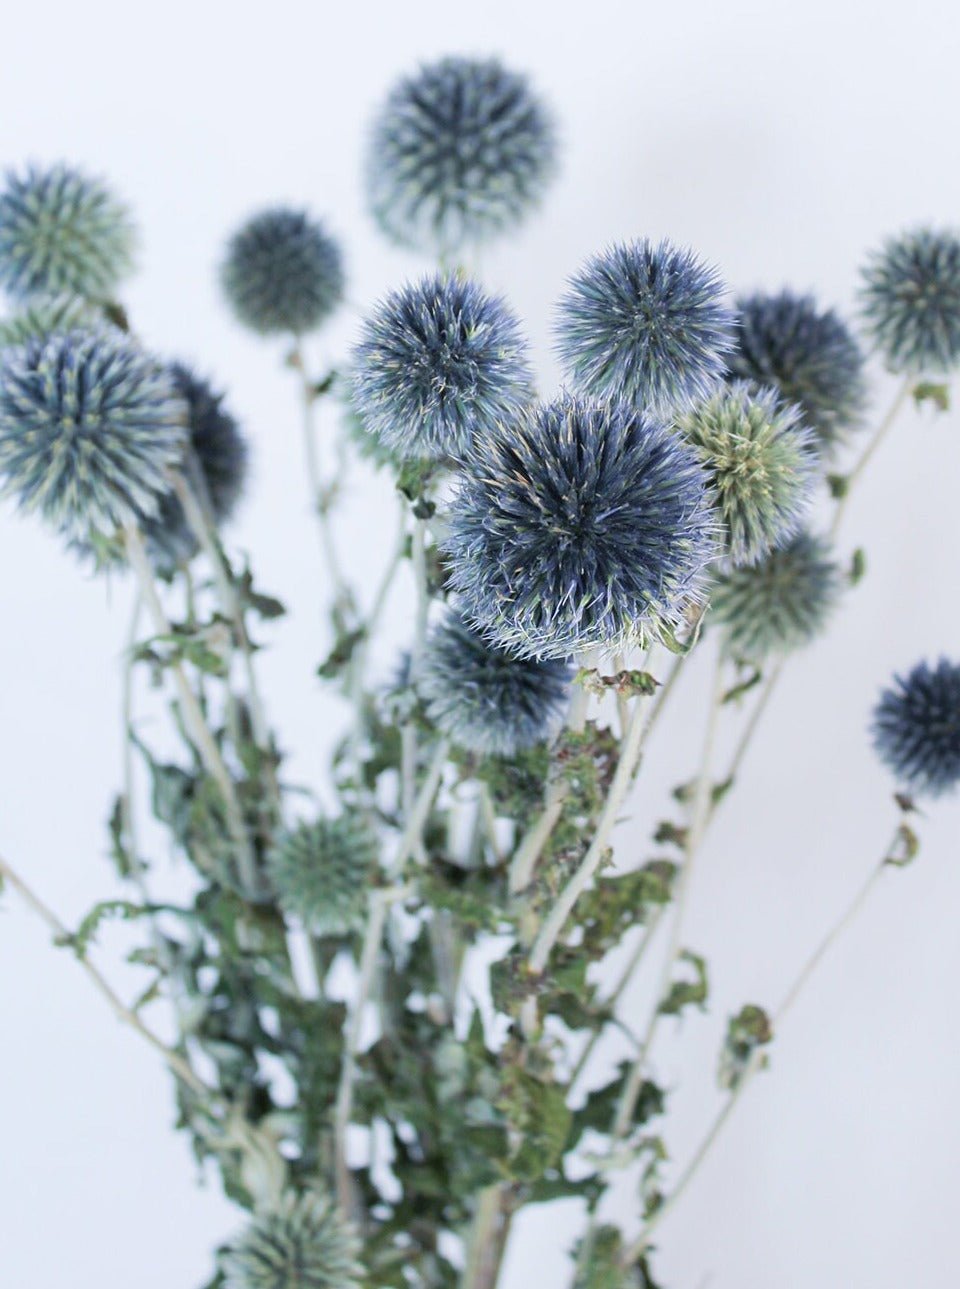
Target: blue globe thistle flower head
778,604
460,151
41,316
215,465
762,462
438,363
283,272
485,699
911,301
62,233
916,728
808,355
302,1242
647,324
582,525
322,873
90,425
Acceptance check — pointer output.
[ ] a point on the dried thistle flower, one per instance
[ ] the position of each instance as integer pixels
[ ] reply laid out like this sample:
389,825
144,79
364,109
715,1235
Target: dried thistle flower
916,728
89,427
283,272
778,604
484,699
62,233
911,301
808,355
439,362
322,873
459,151
583,525
761,461
301,1243
645,323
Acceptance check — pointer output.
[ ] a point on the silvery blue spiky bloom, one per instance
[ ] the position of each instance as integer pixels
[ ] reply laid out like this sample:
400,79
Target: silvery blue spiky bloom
460,150
916,728
583,524
778,604
62,232
303,1242
89,427
911,301
282,273
323,871
645,323
484,699
44,315
808,355
761,461
438,362
215,466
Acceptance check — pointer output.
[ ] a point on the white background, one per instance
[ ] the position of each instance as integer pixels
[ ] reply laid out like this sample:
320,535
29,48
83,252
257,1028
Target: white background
780,140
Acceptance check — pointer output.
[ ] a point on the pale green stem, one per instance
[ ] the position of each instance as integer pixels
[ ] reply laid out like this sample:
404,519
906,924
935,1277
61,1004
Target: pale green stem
881,432
486,1240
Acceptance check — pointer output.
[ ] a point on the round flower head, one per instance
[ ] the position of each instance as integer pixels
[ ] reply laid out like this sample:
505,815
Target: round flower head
646,324
460,150
215,467
809,357
282,273
438,362
322,873
916,728
485,700
761,461
911,301
581,525
62,232
303,1242
89,427
778,604
44,315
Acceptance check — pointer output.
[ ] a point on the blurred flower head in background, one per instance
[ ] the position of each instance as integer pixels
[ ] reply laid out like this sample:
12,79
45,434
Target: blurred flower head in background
911,301
916,728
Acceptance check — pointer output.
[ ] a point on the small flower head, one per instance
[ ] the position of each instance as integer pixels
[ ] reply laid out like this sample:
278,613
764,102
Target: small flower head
583,524
460,150
89,427
62,233
41,316
439,362
916,728
303,1242
646,324
911,301
322,873
761,461
778,604
807,355
215,467
282,273
485,700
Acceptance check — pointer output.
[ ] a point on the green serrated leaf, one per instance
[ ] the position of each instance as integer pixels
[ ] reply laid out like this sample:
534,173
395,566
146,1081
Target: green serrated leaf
686,993
858,566
930,392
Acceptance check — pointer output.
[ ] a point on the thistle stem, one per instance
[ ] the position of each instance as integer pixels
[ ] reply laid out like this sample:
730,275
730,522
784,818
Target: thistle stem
878,436
487,1240
196,725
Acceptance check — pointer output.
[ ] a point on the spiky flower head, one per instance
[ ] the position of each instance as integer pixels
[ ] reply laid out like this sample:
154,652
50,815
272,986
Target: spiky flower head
322,873
460,151
283,272
583,524
438,362
487,700
778,604
916,728
62,232
761,461
645,323
808,355
41,316
215,466
911,301
303,1242
89,427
